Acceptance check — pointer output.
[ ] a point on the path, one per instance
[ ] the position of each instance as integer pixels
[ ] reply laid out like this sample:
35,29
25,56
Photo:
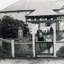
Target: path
32,61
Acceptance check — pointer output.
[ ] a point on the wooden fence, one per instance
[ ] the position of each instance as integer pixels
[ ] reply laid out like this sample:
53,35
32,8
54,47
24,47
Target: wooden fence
13,44
10,42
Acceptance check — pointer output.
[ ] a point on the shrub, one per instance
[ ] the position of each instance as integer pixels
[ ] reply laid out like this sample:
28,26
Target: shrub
60,52
10,26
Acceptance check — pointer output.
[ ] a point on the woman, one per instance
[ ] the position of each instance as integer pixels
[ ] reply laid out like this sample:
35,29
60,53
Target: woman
40,37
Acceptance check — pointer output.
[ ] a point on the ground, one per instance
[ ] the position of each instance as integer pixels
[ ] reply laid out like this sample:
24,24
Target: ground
33,61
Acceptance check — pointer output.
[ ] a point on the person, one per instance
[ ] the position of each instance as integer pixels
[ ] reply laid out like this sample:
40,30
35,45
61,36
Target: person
48,39
40,36
20,34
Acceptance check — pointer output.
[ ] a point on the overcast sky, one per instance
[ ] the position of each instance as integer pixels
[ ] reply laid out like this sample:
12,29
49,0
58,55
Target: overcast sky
5,3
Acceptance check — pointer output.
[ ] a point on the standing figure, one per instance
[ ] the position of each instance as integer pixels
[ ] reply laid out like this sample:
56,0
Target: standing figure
20,34
48,39
40,37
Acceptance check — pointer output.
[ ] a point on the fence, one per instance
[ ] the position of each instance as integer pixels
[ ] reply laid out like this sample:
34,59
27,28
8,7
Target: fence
23,49
11,42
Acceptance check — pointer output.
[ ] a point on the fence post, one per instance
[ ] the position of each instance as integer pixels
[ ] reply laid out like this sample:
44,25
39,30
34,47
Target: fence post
12,48
54,38
0,42
33,40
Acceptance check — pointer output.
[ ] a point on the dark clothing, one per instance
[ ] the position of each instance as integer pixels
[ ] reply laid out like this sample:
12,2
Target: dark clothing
40,44
40,39
38,32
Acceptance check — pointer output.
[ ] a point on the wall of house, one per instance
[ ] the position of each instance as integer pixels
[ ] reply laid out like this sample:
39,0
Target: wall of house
36,27
21,16
43,24
15,15
61,22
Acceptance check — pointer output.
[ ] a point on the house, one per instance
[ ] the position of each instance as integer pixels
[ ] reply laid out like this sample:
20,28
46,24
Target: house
58,6
36,10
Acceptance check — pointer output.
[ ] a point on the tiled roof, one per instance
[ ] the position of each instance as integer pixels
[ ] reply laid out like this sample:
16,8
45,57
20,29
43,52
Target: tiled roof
41,7
19,5
57,4
40,12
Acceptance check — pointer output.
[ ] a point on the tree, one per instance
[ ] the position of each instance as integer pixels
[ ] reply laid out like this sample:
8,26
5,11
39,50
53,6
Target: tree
25,30
10,26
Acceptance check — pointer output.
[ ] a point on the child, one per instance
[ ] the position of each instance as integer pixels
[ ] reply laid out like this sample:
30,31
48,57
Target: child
48,39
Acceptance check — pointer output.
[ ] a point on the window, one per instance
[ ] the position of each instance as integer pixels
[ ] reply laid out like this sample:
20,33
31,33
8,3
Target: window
47,24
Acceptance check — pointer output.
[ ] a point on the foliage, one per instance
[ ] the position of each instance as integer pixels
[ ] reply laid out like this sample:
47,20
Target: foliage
59,36
51,29
10,26
25,30
60,52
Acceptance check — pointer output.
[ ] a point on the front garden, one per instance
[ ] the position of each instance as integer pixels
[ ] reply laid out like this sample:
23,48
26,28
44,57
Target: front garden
9,30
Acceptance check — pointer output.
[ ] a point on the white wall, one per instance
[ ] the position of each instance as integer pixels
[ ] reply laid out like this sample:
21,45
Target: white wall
61,26
42,27
61,23
19,16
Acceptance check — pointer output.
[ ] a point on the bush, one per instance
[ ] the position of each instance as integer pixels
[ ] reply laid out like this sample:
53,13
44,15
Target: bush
10,26
58,36
60,52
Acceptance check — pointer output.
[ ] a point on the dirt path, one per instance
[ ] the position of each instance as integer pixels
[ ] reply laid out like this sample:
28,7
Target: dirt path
32,61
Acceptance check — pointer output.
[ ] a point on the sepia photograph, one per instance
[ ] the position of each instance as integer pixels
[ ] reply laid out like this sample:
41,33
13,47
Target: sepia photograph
31,31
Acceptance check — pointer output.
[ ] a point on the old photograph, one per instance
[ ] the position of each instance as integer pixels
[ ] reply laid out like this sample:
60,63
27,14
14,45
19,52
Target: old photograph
31,31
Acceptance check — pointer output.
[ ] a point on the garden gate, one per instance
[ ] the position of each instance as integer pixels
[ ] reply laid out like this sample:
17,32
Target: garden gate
33,34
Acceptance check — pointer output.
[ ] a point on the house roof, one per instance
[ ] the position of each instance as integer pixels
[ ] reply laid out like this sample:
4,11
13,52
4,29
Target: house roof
57,4
41,7
19,5
40,12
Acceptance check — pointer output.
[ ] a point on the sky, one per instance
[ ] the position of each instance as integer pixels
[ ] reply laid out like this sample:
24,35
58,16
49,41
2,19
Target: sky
5,3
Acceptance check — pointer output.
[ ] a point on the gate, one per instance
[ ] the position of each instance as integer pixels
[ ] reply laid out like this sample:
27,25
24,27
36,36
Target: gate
44,48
